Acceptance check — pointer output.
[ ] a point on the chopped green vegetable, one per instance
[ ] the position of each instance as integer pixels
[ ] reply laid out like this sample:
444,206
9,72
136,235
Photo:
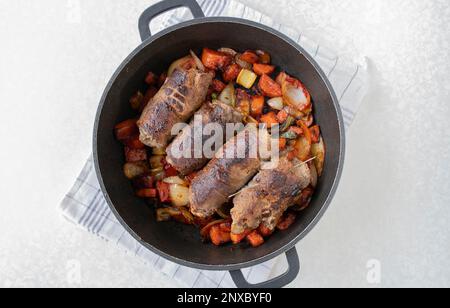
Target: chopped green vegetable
289,135
288,123
214,96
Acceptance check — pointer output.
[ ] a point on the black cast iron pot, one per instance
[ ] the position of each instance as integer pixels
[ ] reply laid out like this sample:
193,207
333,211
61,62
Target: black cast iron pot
180,243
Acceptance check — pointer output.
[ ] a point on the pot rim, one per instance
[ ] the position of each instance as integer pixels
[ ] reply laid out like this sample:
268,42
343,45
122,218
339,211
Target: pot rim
331,193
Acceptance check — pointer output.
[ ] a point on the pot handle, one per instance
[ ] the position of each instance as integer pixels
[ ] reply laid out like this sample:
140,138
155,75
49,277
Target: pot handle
162,7
278,282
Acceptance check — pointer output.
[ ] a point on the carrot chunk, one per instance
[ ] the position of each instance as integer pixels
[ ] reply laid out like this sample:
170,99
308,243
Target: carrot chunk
219,237
231,72
269,87
255,239
250,57
215,60
151,79
126,129
286,221
237,238
270,119
264,231
146,193
257,105
282,116
134,143
283,143
261,69
163,191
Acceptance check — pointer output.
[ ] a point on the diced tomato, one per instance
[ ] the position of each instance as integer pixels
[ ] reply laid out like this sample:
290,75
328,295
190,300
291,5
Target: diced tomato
237,238
264,231
144,181
219,237
135,155
315,134
231,72
170,171
218,85
296,130
162,79
269,87
283,143
286,221
146,193
225,227
305,198
126,129
215,60
261,69
282,116
257,105
270,119
255,239
250,57
151,79
134,143
163,191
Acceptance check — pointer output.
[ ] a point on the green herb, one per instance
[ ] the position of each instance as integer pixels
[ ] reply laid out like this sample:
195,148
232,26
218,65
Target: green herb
214,96
288,123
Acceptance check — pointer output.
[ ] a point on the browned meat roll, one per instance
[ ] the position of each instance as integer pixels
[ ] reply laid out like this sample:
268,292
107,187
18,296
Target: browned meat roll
269,195
227,172
176,102
217,113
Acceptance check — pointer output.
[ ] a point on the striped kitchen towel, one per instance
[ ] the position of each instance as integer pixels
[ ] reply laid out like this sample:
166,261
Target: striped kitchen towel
85,206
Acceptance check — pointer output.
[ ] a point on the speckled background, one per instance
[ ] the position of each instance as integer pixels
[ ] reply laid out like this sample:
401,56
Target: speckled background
393,203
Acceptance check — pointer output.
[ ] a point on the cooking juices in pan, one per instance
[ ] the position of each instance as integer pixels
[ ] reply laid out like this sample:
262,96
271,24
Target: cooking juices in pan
231,198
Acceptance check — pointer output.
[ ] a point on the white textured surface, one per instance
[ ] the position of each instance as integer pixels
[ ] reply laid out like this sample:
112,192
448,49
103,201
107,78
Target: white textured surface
393,202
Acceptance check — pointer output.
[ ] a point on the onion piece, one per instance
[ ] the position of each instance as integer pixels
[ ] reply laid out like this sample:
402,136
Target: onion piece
178,63
187,215
318,150
228,51
166,213
276,103
175,180
156,161
228,95
295,97
179,195
158,151
197,61
242,63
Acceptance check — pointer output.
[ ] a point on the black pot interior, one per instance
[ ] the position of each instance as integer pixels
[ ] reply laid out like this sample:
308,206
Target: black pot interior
173,240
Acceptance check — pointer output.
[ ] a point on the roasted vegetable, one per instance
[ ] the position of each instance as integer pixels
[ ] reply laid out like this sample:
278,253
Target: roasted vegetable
286,221
151,79
219,237
144,181
158,151
228,95
135,155
246,78
287,123
270,119
282,116
137,100
179,195
303,144
264,231
166,213
282,143
231,72
255,239
197,61
228,51
135,169
257,106
244,107
204,232
318,150
276,103
249,57
242,63
218,86
176,180
261,69
214,59
146,193
264,57
289,135
163,191
237,238
315,133
134,143
305,198
126,129
269,87
157,161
